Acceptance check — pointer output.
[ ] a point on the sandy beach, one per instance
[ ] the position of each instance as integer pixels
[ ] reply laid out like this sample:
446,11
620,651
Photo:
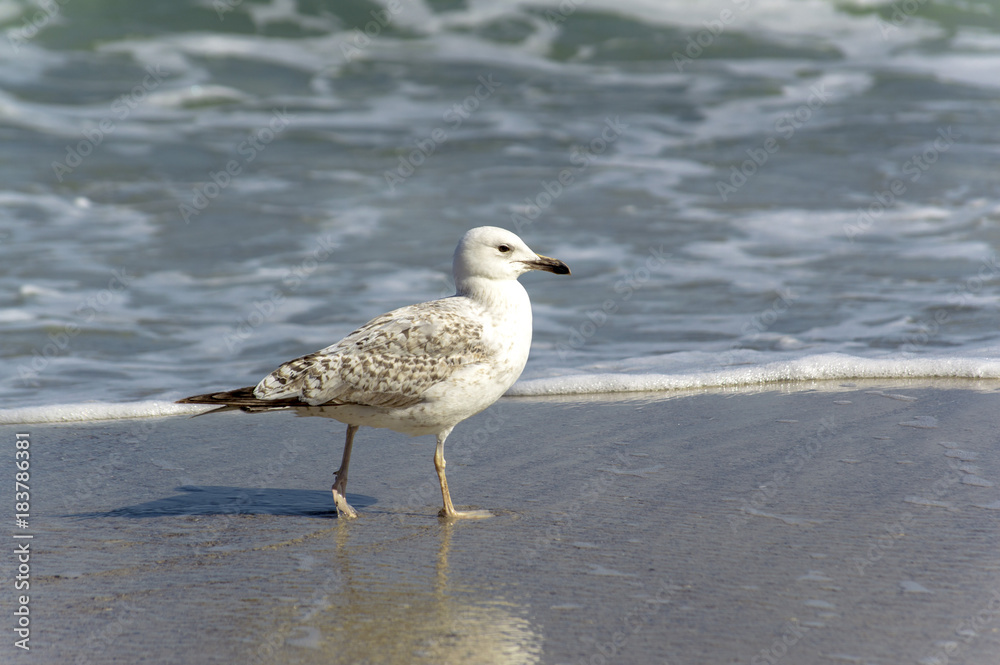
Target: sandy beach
804,523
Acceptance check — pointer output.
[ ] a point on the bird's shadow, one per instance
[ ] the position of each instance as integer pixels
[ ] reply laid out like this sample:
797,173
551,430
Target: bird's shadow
221,500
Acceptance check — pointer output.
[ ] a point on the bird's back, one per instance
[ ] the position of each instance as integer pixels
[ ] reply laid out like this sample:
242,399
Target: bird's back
393,360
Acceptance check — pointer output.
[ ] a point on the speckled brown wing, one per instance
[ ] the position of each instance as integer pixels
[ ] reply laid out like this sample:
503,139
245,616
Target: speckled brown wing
390,362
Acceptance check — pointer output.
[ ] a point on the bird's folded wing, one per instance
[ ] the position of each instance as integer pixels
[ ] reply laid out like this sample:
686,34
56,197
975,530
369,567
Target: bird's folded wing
389,362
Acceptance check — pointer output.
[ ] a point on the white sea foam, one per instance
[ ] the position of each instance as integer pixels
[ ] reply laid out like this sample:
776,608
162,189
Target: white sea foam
84,411
825,367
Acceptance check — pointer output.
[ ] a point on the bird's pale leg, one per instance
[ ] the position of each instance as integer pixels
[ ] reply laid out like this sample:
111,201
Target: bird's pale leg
340,477
449,511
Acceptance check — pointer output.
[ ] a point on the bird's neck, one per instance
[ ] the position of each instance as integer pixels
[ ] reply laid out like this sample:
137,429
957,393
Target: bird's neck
508,307
495,295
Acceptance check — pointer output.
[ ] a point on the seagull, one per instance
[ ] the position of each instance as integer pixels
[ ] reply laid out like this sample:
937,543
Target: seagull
420,369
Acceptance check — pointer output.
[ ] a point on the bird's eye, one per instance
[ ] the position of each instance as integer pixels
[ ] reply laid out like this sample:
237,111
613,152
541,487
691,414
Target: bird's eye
504,249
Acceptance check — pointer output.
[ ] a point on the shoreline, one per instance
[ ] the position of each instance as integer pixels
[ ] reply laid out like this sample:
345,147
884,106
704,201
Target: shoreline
99,411
796,525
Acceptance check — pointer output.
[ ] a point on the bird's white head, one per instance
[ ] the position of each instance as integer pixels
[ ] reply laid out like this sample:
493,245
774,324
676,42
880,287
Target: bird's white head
492,253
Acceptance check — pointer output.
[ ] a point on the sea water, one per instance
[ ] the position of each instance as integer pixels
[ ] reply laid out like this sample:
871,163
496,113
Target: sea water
746,190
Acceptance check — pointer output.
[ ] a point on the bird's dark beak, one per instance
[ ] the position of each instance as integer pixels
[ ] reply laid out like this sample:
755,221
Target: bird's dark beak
548,264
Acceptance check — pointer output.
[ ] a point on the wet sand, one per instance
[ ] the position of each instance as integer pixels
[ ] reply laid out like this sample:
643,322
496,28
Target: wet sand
808,523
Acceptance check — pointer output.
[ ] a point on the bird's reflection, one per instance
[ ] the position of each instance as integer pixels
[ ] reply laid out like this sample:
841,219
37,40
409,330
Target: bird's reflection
388,603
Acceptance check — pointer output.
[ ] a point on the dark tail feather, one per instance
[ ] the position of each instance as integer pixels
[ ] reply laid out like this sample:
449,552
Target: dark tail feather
241,398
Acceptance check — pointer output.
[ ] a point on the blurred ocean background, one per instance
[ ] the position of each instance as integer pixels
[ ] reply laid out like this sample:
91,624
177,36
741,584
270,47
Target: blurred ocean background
192,192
